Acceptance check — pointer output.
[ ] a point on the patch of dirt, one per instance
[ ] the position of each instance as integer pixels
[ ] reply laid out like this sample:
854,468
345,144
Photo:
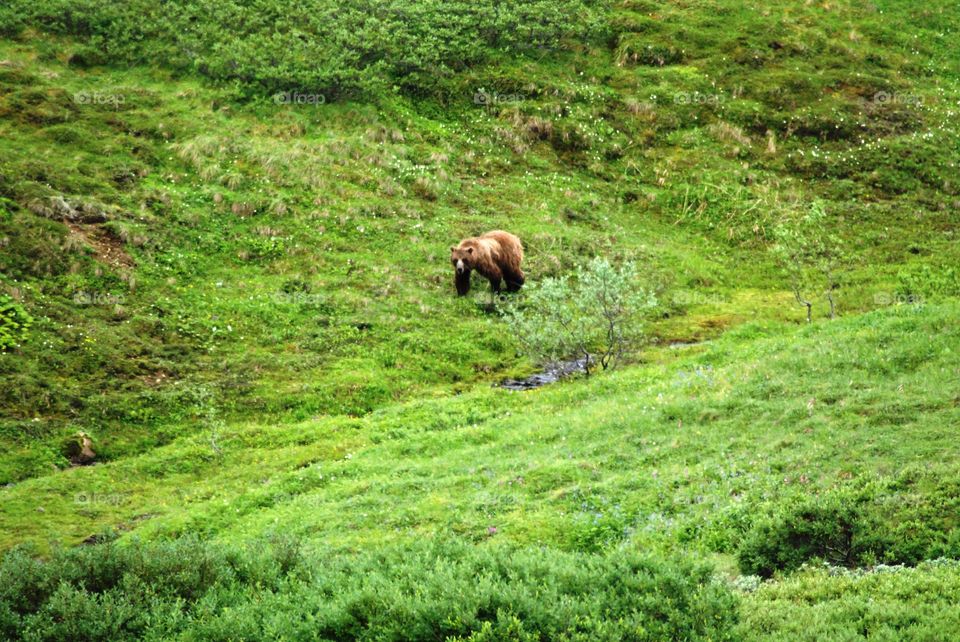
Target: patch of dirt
720,321
679,345
106,247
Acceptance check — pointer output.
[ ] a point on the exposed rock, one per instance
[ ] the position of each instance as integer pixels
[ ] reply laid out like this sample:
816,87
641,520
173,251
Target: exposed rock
60,209
79,449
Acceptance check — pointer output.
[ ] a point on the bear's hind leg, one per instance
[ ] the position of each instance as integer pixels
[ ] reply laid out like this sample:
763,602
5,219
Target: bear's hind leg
514,280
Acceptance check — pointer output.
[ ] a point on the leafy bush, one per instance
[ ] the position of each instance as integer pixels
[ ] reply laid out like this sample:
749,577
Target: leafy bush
854,529
888,603
14,323
829,529
917,283
597,320
426,591
322,47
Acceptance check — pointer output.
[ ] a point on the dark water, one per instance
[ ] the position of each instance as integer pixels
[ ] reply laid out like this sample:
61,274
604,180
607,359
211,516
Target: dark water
558,370
552,373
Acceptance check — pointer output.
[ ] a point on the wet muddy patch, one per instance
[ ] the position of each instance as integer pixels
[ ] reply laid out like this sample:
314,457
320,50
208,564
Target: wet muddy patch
550,374
679,345
558,370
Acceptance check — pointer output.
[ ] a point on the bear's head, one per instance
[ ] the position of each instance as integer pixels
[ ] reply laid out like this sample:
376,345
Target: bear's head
463,257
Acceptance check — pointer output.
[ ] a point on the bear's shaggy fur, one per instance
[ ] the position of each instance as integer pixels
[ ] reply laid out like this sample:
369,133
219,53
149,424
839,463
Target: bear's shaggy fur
495,255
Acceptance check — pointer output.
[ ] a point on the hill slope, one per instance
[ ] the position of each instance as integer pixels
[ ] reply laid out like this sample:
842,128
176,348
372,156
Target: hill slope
233,248
758,452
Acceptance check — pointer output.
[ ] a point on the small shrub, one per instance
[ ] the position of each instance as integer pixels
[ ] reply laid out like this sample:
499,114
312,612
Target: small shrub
266,248
14,323
597,319
809,254
831,530
874,525
921,282
891,603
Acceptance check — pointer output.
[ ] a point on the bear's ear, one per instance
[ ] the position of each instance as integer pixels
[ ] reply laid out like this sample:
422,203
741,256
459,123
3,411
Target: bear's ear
453,248
469,250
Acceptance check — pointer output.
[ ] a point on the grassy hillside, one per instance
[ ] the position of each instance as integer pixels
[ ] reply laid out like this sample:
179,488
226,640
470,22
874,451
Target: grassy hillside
686,454
758,453
228,227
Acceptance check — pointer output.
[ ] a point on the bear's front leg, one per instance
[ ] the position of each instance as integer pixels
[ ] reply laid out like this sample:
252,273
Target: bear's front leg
494,290
462,281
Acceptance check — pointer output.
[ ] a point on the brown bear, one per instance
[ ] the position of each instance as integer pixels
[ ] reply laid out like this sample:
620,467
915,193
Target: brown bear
496,256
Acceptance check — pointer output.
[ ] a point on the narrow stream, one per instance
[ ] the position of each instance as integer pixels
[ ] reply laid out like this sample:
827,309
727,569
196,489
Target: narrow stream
550,374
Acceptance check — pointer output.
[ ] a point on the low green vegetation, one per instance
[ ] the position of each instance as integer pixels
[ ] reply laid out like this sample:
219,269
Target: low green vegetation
187,590
887,603
14,323
227,313
729,453
351,48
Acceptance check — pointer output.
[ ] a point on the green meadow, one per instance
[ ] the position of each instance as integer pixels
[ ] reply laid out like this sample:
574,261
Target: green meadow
224,258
